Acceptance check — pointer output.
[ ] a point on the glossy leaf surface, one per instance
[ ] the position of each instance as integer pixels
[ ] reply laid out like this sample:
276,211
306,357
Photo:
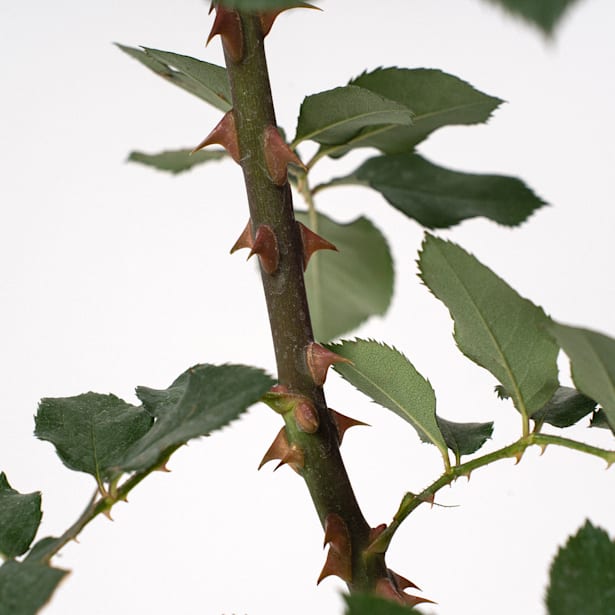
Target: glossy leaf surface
176,161
565,408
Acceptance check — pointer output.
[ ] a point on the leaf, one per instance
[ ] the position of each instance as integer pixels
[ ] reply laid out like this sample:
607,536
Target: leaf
20,516
599,420
494,326
25,587
336,116
346,287
582,578
464,438
592,357
207,81
438,198
436,99
259,5
43,549
385,374
370,604
176,161
201,400
91,432
565,408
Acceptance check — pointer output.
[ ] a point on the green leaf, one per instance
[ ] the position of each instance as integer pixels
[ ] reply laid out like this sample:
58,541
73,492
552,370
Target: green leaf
438,198
565,408
592,357
436,99
336,116
20,516
464,438
385,374
582,578
544,14
203,399
207,81
370,604
494,326
91,432
599,420
176,161
259,5
25,587
43,549
346,287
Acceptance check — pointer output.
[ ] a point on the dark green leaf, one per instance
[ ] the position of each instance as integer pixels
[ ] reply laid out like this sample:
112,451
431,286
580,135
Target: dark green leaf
260,5
599,420
464,438
582,579
494,326
500,391
369,604
42,549
544,14
25,587
91,432
438,198
592,357
20,516
176,161
201,400
385,374
565,408
337,115
348,286
207,81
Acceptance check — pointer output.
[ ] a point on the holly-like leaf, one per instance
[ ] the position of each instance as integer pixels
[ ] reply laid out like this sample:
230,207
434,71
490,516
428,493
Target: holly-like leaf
91,432
387,376
370,604
438,198
336,116
207,81
25,587
464,438
565,408
346,287
20,516
494,326
582,578
176,161
203,399
592,358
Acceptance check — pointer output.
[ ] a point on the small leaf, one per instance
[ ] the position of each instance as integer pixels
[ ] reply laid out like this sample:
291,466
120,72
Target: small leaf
438,198
259,5
385,374
582,578
201,400
176,161
592,357
43,549
599,420
346,287
207,81
464,438
336,116
494,326
565,408
370,604
91,432
25,587
20,516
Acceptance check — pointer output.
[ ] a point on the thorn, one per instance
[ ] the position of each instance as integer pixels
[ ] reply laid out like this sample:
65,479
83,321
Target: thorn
162,468
306,416
336,533
278,449
245,239
294,458
266,246
269,17
376,531
278,156
343,423
224,134
403,583
339,560
518,457
414,600
228,25
430,499
386,588
543,448
107,513
311,243
319,359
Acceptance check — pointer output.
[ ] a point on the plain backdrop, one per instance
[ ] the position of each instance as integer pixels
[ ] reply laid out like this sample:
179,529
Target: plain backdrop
113,275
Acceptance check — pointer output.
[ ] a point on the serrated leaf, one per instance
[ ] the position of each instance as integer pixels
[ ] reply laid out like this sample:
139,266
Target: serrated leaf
207,81
20,516
91,432
370,604
387,376
336,116
592,358
25,587
439,198
582,578
176,161
464,438
544,14
346,287
203,399
565,408
599,420
494,326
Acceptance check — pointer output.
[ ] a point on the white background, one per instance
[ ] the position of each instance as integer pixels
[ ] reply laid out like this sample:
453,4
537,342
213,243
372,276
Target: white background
113,275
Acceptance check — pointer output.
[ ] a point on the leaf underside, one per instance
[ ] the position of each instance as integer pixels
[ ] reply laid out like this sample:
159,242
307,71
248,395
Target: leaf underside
565,408
545,14
176,161
464,438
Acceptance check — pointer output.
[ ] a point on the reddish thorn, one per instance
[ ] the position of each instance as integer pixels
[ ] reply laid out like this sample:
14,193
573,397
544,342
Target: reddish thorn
336,533
162,468
266,246
319,359
278,156
376,531
311,243
414,600
245,239
224,134
343,423
269,17
306,416
339,557
278,449
403,583
386,589
228,25
294,458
